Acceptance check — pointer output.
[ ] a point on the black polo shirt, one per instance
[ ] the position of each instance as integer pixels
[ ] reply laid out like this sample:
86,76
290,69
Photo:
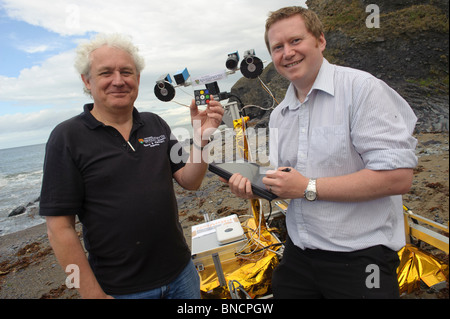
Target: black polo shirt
124,198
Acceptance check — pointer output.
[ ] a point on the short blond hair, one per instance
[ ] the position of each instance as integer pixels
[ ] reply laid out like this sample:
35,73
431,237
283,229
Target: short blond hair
312,21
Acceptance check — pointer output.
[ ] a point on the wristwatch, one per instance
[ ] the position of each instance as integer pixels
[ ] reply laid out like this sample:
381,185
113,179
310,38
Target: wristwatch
310,191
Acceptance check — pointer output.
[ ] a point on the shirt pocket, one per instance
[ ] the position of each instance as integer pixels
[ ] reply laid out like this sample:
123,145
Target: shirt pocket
328,146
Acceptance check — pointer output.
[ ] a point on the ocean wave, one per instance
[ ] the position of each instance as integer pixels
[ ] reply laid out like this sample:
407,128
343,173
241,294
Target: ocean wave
20,183
3,182
17,190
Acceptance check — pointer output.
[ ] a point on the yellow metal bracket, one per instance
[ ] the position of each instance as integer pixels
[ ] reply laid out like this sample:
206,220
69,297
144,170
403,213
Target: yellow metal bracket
427,234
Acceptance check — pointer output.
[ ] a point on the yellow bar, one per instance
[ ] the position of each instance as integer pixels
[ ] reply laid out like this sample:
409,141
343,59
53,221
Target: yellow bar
428,221
437,240
425,234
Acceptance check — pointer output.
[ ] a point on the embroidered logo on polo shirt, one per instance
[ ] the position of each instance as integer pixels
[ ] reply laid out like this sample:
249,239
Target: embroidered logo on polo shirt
152,141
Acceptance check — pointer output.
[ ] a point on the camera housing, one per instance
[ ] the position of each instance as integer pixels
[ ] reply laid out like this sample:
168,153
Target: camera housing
232,62
251,66
164,89
181,76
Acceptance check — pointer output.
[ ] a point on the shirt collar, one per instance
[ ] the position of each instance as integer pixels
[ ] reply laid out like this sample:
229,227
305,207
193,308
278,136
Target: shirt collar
93,123
88,118
324,82
325,79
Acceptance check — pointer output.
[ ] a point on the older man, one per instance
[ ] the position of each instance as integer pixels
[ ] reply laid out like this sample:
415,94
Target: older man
111,166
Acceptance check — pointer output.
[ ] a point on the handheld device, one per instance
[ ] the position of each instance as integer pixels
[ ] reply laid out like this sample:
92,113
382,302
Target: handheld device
246,169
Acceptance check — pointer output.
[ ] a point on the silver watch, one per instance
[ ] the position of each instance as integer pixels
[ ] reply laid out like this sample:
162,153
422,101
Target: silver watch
311,191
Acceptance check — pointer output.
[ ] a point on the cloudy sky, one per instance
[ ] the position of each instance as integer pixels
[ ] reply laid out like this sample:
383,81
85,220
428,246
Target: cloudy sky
38,84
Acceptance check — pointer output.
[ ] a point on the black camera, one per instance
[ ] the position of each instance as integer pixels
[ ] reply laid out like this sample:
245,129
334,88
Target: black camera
164,89
232,61
251,66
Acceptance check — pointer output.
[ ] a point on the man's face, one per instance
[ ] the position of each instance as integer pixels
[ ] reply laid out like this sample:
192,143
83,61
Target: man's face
113,80
296,53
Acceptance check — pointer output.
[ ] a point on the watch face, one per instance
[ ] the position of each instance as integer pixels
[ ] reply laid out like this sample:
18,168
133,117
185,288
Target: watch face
309,195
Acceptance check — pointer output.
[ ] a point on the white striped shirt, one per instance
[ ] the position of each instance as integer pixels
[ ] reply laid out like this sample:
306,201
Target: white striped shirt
350,120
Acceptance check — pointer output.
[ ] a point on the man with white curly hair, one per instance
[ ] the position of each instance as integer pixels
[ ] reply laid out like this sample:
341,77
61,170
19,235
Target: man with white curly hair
111,167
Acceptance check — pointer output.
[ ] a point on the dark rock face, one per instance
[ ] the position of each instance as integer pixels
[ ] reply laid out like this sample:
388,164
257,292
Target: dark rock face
409,51
251,92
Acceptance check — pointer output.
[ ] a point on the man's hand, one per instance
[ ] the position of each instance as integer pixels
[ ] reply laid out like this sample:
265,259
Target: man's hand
240,186
286,182
205,122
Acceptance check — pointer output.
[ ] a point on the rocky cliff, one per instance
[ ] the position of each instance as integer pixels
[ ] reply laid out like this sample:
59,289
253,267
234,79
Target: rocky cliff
408,49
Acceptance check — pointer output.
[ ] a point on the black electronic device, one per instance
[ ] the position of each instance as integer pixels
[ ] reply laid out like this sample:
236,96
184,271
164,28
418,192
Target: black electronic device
181,76
213,88
232,61
251,66
164,91
252,171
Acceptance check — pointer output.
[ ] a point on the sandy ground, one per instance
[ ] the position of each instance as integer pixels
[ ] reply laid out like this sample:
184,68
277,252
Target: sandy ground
29,270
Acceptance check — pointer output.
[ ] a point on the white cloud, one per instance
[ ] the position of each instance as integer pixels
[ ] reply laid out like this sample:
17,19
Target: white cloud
171,34
35,48
54,80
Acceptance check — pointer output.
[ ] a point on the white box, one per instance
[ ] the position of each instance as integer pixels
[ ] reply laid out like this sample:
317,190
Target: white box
205,241
228,233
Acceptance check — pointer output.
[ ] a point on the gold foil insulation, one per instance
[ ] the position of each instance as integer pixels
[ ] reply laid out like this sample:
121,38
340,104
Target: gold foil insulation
252,268
417,265
241,140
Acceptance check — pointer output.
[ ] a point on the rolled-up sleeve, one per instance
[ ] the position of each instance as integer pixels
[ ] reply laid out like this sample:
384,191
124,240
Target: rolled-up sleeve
382,127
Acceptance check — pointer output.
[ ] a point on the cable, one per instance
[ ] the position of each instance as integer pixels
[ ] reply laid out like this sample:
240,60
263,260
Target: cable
180,104
190,94
267,90
257,106
235,96
255,241
263,248
270,211
234,290
265,87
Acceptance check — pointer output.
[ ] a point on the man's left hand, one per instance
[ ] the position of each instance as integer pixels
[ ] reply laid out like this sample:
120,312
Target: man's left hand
205,122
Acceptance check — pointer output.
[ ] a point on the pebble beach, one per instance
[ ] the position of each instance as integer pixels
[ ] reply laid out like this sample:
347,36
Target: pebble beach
29,269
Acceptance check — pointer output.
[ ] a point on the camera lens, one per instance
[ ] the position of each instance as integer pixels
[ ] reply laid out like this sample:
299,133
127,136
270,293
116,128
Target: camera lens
232,63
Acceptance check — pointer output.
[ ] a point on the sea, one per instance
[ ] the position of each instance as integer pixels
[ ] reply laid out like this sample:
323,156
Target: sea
20,185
